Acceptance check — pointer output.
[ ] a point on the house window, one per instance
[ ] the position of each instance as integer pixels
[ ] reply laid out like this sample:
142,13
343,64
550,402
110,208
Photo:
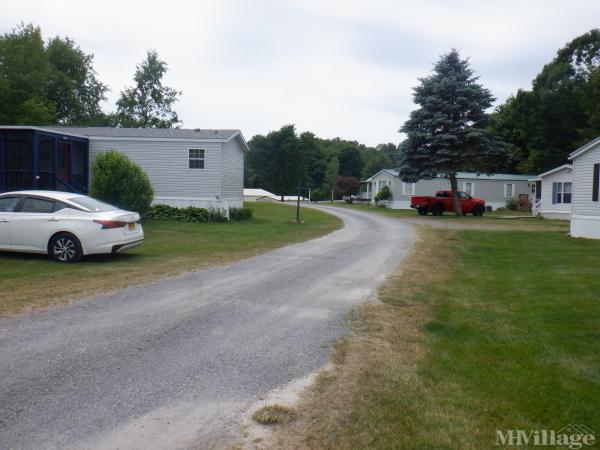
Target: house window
196,158
509,190
468,188
408,188
596,183
561,192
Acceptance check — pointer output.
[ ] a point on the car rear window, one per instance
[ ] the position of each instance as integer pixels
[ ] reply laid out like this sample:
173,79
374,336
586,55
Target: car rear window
8,204
92,204
37,205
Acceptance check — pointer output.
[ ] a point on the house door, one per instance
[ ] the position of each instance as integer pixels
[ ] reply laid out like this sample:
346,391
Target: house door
538,190
45,157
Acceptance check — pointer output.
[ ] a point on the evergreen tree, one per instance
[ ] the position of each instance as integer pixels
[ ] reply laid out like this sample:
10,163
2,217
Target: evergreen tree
148,104
448,133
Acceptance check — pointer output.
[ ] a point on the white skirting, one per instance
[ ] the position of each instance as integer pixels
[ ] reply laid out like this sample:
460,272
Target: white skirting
207,203
556,215
585,226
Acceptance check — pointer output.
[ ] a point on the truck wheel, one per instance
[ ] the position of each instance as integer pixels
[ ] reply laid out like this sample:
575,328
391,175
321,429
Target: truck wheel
437,210
422,211
478,211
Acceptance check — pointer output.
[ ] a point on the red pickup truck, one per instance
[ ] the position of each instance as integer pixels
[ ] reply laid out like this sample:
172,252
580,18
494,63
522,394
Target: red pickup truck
442,201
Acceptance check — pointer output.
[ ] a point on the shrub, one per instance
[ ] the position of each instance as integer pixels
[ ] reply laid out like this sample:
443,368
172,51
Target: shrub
119,181
384,194
512,204
244,213
316,195
190,214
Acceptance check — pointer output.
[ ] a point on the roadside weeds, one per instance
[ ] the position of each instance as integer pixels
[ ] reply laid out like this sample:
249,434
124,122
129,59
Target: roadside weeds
354,404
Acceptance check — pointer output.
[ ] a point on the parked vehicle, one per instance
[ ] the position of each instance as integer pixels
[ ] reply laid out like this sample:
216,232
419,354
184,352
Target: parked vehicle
442,201
65,226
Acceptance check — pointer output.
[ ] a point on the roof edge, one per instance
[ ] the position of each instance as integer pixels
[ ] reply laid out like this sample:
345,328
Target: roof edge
584,148
556,169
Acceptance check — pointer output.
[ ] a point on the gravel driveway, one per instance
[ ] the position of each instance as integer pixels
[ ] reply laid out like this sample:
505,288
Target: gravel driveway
172,364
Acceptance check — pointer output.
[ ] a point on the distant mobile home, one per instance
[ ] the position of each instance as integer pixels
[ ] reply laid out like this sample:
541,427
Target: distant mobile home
585,209
553,193
187,167
494,189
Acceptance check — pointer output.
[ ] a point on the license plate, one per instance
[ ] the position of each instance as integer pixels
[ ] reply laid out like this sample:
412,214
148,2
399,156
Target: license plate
132,225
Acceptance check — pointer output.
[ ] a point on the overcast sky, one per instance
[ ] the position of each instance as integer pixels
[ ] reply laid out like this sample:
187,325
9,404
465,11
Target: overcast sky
337,68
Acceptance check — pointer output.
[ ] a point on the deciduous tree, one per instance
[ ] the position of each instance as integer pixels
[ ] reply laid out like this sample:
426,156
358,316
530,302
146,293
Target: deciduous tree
148,104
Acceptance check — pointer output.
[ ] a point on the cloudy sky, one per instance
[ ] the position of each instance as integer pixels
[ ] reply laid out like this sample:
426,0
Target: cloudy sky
337,68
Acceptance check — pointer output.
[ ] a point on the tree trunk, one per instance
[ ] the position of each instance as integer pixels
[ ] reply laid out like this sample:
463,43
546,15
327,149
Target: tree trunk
282,199
455,197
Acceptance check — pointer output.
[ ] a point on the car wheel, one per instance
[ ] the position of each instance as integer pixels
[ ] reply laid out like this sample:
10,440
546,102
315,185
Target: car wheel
422,211
65,248
478,211
437,210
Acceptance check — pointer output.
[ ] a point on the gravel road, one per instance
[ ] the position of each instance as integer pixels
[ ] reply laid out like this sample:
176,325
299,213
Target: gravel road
172,364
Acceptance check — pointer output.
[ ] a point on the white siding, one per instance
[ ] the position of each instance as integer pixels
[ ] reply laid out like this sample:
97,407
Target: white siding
583,173
549,209
232,157
166,163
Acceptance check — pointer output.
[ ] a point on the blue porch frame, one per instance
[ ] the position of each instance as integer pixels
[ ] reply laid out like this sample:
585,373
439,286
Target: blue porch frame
37,159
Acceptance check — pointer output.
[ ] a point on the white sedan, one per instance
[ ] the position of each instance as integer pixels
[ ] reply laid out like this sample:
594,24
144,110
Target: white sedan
65,225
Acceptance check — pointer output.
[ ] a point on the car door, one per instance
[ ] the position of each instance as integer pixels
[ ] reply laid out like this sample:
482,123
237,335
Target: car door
7,209
465,202
33,223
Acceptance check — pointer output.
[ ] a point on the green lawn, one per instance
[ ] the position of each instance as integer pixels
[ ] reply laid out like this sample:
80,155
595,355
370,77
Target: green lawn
169,248
515,334
522,219
481,331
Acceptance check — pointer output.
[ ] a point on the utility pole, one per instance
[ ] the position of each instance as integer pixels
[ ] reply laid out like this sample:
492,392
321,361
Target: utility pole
298,202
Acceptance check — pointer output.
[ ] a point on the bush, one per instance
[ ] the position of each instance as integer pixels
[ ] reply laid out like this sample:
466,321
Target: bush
316,195
236,214
383,194
119,181
189,214
512,204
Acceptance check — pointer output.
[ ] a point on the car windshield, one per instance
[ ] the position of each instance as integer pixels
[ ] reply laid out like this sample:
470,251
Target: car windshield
92,204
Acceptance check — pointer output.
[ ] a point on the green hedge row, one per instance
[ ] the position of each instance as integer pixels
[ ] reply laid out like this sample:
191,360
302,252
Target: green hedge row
196,215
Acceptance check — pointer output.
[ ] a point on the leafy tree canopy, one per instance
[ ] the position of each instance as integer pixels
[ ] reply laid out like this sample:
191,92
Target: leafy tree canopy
148,104
53,83
561,111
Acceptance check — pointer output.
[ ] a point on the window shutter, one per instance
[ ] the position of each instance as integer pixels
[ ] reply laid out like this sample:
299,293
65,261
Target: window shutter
554,189
596,183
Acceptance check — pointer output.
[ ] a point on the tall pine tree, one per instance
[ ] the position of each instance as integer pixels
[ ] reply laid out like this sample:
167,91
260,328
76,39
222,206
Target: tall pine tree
448,133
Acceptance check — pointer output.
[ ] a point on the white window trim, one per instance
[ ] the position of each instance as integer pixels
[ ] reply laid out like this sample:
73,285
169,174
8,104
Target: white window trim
505,190
412,188
196,159
562,193
472,193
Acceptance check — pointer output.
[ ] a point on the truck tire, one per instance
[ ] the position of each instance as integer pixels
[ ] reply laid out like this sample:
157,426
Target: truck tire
478,211
438,209
422,211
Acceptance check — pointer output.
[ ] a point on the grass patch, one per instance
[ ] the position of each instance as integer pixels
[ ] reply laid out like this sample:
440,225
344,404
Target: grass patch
31,281
504,337
273,414
499,219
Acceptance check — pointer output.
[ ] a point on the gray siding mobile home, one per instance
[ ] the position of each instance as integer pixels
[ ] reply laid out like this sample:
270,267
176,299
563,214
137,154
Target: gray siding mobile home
585,209
203,168
494,189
